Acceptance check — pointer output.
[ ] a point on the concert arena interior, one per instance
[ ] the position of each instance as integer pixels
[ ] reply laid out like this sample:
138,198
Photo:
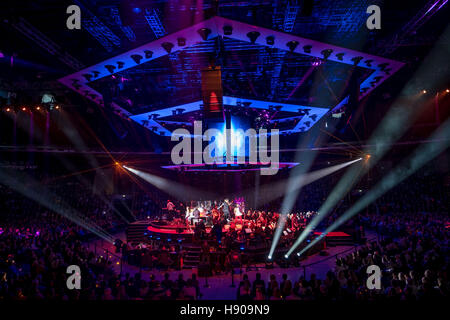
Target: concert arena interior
224,150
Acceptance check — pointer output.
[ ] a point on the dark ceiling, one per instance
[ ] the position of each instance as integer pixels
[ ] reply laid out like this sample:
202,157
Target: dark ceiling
111,27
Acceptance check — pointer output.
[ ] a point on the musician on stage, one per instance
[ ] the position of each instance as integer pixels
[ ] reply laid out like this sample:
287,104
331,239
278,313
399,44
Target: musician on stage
238,213
226,209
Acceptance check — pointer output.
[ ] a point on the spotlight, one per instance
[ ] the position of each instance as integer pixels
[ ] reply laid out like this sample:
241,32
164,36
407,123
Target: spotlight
24,109
292,45
340,56
110,68
117,163
253,35
447,90
38,108
87,76
286,256
270,40
424,91
148,54
227,30
181,42
368,156
376,79
326,53
383,66
167,46
8,109
307,49
136,58
204,33
57,107
356,60
269,257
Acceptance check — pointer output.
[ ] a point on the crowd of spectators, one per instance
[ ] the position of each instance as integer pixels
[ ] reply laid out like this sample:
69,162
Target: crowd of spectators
37,245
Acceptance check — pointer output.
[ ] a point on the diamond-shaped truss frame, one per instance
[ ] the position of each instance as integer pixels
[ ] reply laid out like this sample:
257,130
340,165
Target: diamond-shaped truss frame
217,26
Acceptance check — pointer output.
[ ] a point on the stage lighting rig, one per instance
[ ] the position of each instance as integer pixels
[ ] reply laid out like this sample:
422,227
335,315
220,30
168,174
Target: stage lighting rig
326,53
137,58
307,48
227,30
181,41
292,45
253,35
204,33
270,40
340,56
356,60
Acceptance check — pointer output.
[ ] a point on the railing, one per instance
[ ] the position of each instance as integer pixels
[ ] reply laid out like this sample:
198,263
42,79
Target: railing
333,256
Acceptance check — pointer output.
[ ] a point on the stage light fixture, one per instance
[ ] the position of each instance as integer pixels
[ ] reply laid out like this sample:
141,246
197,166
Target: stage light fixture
383,66
181,41
326,53
447,90
307,48
136,58
356,60
24,109
227,30
292,45
38,108
340,56
8,109
424,91
378,78
148,54
87,76
204,33
253,35
167,46
57,107
270,40
110,68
